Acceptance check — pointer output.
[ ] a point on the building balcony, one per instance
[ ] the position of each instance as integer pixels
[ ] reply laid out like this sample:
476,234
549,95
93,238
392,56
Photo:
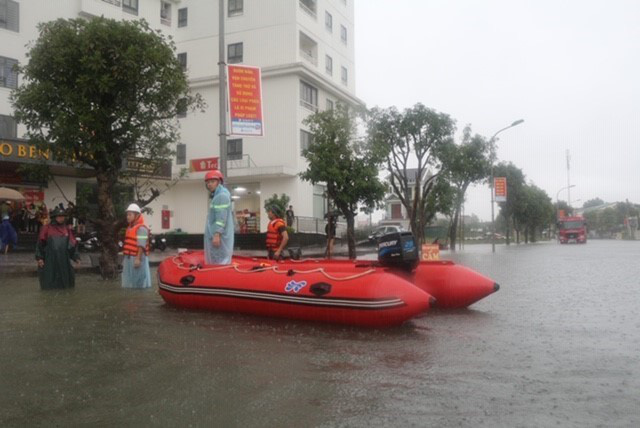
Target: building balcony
309,7
308,49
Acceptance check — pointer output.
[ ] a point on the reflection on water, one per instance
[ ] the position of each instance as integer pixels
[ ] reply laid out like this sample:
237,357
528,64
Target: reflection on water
556,345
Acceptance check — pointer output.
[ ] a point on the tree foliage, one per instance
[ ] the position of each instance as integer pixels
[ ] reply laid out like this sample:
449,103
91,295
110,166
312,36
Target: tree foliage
593,203
415,136
343,164
99,92
464,164
280,202
512,209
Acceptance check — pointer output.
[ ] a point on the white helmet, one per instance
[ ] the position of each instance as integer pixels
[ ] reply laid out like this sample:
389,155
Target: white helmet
134,208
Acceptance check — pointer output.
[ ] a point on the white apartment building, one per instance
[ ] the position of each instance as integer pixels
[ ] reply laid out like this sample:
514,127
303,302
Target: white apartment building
305,50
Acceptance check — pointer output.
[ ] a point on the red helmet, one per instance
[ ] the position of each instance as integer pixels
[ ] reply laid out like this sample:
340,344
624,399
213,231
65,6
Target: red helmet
214,175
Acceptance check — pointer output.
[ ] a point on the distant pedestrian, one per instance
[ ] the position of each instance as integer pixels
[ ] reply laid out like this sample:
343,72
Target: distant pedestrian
330,231
31,218
135,264
290,216
55,250
8,235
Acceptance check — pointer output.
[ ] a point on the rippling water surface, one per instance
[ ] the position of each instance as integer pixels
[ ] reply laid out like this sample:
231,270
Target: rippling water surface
558,345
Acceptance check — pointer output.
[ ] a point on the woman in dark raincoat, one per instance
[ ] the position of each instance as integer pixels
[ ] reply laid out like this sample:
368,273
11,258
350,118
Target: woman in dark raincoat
55,249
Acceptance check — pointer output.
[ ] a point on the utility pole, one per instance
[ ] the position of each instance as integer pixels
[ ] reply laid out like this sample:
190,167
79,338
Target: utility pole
222,79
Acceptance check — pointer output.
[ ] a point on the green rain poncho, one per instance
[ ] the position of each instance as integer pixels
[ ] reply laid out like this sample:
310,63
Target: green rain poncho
57,247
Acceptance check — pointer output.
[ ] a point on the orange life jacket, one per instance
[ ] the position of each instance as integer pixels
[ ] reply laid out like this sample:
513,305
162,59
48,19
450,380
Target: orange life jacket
274,238
131,239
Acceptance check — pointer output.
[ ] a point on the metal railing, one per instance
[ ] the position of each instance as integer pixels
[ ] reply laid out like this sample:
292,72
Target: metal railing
317,225
309,57
242,162
308,10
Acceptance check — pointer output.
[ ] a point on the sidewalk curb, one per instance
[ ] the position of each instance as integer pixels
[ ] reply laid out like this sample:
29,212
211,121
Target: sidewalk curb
30,271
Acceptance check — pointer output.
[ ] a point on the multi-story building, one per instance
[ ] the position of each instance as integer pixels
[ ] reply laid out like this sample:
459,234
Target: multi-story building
305,50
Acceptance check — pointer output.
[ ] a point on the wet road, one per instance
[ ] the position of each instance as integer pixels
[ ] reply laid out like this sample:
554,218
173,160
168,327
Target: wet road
558,345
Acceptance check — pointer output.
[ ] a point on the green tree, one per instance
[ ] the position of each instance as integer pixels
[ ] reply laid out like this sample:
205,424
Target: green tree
281,202
593,203
97,93
515,197
536,212
463,165
414,137
441,199
343,164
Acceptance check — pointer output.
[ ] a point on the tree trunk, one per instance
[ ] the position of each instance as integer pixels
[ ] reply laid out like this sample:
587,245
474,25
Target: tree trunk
508,231
453,229
351,235
107,230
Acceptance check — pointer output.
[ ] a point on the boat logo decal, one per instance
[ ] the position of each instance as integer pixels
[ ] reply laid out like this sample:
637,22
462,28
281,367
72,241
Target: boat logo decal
294,286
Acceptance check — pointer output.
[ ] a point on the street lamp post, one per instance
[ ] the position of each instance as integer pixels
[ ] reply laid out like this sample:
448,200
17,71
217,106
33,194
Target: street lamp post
558,194
493,156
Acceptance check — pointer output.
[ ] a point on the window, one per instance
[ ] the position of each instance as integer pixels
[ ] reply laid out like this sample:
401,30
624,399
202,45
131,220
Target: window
8,76
328,65
343,34
234,149
181,108
181,154
8,127
10,15
165,13
130,6
236,7
328,21
306,138
329,104
308,96
182,17
344,75
182,59
234,53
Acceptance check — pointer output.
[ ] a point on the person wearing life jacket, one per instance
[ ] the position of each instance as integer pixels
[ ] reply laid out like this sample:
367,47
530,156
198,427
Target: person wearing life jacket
135,263
277,235
219,229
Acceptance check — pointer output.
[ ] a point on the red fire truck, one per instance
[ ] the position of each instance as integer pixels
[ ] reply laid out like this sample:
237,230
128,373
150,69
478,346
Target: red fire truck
572,229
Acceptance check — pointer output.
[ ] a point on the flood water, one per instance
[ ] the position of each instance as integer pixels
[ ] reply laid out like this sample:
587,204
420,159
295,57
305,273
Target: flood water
558,345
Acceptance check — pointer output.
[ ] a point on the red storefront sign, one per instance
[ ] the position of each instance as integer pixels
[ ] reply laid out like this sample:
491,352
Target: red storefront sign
430,252
500,189
245,100
33,196
205,164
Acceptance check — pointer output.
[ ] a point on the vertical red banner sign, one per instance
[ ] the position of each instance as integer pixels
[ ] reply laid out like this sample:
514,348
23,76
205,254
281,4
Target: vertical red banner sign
500,189
245,100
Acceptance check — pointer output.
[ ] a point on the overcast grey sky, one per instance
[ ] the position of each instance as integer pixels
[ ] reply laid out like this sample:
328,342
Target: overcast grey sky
570,69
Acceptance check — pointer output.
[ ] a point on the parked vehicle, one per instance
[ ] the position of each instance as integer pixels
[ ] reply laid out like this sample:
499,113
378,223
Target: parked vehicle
89,242
383,230
572,229
158,243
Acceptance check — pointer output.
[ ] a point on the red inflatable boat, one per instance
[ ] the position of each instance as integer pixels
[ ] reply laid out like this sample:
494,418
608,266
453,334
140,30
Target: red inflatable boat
363,295
454,286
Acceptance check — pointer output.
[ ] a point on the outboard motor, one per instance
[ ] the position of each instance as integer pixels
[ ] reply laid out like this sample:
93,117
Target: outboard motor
398,250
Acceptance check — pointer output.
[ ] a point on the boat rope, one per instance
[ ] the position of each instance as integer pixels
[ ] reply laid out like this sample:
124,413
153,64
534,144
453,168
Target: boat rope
274,269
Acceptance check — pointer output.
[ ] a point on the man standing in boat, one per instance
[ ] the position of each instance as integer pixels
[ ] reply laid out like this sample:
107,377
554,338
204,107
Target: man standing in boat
277,235
135,264
218,234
